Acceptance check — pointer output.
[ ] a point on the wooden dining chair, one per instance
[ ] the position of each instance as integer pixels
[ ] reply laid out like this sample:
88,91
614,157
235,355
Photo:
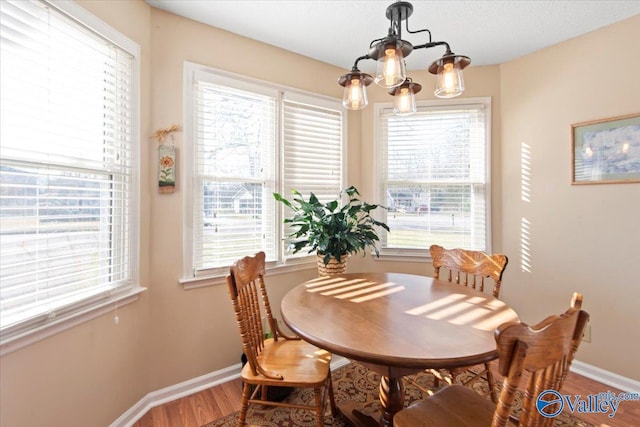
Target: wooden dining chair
471,269
543,352
281,360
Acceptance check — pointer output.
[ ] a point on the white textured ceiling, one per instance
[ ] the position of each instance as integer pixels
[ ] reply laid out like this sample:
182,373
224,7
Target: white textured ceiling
337,32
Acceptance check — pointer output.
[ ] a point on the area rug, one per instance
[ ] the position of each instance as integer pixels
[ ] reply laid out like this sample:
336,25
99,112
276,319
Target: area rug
353,382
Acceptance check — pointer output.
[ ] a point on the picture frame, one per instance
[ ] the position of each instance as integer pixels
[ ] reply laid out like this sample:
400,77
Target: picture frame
606,151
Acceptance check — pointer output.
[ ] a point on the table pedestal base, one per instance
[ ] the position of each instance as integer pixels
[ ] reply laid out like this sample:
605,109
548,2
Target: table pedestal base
352,414
391,401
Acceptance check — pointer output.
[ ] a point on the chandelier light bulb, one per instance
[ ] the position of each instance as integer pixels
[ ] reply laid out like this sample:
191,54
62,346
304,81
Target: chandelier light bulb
391,70
390,67
449,77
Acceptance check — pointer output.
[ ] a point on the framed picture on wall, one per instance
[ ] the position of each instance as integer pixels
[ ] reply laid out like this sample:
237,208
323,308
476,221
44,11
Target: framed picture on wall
606,151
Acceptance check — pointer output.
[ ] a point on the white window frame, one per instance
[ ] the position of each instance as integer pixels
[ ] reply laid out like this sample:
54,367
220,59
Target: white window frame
283,264
419,254
32,331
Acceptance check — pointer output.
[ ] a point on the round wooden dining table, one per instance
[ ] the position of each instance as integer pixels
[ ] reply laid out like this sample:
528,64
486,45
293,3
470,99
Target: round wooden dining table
395,324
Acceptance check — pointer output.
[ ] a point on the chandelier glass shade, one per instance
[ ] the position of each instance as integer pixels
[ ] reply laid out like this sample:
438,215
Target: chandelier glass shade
390,53
391,70
405,97
449,78
355,93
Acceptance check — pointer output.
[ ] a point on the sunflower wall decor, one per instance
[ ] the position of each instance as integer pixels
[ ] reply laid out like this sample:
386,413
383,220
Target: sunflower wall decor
167,159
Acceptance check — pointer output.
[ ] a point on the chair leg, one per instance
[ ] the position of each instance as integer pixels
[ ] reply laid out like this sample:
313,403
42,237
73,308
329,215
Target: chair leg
492,383
436,381
487,375
332,400
246,392
411,379
263,392
317,392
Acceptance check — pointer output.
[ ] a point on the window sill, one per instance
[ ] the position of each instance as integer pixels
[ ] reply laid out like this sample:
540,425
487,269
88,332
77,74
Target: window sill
220,279
41,332
405,255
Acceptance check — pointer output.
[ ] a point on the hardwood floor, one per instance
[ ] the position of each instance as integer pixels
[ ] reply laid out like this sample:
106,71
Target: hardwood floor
200,408
197,409
627,415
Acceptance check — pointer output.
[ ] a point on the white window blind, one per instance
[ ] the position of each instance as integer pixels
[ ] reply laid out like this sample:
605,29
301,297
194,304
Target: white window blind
312,150
234,147
312,157
68,183
435,176
249,139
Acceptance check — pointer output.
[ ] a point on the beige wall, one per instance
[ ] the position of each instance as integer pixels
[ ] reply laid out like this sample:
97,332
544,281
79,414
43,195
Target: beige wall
582,238
93,373
194,331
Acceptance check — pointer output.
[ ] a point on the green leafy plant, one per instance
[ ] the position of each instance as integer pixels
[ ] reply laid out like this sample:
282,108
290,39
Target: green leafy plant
333,229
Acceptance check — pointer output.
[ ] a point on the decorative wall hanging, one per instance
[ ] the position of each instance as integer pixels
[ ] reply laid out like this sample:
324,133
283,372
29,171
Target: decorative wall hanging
606,151
167,159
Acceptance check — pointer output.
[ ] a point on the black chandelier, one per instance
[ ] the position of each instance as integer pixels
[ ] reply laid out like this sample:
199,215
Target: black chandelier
391,74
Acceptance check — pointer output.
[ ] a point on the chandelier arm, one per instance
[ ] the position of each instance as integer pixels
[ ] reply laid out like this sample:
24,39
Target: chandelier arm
355,64
406,26
433,44
376,41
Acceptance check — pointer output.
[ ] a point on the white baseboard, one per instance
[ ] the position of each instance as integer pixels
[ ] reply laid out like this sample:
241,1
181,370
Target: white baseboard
609,378
174,392
185,388
230,373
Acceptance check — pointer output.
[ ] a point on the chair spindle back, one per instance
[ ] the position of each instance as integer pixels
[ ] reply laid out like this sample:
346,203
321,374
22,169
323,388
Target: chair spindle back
469,268
544,351
247,276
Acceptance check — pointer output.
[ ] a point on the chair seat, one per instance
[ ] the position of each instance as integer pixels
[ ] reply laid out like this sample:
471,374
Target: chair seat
453,406
299,363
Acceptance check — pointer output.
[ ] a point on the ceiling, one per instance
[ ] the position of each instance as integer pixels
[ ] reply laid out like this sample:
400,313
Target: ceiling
337,32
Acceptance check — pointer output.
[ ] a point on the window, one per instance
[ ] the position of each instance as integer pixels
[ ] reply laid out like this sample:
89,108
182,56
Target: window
245,140
68,184
434,175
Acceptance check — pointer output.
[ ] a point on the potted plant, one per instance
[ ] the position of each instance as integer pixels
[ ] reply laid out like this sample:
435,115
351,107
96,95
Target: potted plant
333,229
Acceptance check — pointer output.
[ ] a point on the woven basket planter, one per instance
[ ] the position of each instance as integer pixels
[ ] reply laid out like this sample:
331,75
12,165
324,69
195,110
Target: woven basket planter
334,267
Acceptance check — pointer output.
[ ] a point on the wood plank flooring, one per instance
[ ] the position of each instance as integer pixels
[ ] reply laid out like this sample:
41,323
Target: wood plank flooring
628,414
197,409
203,407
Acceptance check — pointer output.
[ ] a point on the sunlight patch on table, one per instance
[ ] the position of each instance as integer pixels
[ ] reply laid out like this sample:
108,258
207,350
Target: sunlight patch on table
347,288
453,312
379,294
495,319
435,305
366,290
